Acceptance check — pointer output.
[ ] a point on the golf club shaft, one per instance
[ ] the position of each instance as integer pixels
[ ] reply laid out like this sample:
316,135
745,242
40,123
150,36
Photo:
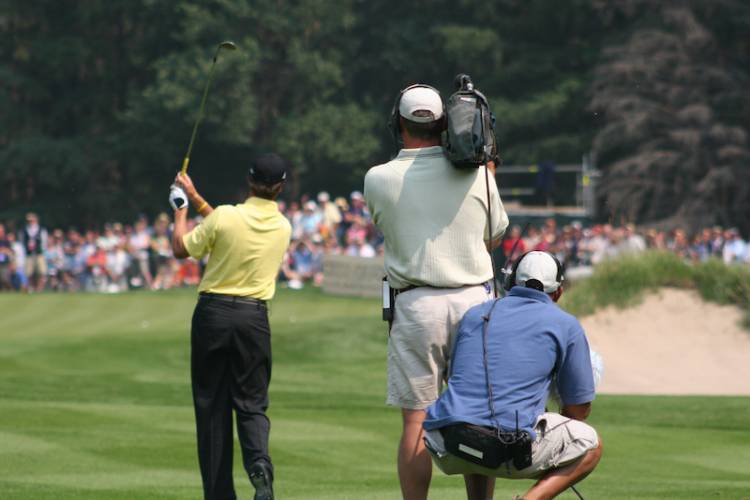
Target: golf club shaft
198,120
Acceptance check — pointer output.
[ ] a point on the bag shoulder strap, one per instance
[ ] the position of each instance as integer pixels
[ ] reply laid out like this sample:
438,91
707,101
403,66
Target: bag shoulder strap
489,230
490,397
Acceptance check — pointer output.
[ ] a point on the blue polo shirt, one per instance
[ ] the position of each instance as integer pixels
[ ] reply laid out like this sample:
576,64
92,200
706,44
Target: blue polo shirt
529,340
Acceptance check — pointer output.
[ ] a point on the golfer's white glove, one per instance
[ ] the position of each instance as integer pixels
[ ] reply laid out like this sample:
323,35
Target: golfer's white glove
177,197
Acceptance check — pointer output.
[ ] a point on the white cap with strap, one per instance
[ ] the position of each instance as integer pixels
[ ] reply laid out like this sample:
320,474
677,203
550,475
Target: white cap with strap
542,267
421,105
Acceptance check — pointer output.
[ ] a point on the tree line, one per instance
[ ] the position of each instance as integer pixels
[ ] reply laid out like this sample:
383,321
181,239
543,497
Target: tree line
99,97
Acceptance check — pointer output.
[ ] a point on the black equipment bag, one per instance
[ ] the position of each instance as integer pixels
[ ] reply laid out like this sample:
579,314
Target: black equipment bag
487,447
469,140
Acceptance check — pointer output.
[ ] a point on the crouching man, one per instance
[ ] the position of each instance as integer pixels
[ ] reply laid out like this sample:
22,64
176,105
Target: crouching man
491,421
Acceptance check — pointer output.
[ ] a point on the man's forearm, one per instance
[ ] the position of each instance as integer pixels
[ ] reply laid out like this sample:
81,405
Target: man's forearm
200,204
180,228
577,412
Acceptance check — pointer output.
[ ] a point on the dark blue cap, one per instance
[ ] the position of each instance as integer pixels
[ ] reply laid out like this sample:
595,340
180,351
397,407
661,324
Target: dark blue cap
268,168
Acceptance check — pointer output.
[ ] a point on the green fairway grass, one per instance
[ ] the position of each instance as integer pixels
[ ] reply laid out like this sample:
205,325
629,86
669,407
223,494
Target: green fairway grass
95,403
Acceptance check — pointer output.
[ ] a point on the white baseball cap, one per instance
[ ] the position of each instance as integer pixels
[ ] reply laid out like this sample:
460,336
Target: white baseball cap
540,266
421,105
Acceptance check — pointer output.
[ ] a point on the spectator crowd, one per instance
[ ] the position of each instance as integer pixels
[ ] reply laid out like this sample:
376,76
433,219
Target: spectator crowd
576,246
119,257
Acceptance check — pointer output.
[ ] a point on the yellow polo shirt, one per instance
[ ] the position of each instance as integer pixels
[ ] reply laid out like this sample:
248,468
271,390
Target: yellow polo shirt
245,243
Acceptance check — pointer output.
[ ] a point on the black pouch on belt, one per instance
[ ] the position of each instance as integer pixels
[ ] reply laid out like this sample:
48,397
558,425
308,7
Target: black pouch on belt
486,447
387,301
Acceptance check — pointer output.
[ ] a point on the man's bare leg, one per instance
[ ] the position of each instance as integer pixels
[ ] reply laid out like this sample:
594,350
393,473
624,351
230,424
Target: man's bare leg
479,487
414,462
563,478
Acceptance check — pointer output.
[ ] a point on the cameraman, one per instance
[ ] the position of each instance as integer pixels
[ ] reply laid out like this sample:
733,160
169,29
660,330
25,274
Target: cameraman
434,220
508,355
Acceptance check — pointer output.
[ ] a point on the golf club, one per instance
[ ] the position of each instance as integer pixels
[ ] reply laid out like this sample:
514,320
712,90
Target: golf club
222,45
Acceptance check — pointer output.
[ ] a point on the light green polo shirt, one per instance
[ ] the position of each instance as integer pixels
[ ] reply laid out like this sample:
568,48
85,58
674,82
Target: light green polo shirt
434,219
245,243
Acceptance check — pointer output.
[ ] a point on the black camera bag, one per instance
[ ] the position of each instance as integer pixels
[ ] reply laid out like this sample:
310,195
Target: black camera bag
486,447
469,140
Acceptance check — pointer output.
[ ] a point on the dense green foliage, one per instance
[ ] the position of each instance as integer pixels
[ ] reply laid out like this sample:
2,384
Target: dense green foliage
674,138
99,97
623,282
95,399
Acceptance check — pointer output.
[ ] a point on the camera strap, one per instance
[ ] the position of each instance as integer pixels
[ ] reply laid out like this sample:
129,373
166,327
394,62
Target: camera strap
508,269
490,397
489,230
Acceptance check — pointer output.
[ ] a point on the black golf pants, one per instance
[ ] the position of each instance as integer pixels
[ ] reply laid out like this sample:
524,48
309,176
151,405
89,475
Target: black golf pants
231,369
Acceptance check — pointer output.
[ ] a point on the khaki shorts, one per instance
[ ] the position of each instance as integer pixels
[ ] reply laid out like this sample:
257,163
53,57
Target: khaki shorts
559,441
36,263
421,341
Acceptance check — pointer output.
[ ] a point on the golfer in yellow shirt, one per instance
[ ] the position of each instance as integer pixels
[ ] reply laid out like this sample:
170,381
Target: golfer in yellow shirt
231,338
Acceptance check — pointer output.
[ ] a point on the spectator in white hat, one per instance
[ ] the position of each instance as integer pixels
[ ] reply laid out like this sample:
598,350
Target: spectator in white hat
311,219
355,215
434,220
34,240
734,247
331,216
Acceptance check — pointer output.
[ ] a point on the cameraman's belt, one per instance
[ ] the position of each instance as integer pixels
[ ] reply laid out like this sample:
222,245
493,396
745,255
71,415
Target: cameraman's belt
409,288
397,291
235,299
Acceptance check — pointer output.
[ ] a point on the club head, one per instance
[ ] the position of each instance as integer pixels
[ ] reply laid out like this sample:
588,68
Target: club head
228,45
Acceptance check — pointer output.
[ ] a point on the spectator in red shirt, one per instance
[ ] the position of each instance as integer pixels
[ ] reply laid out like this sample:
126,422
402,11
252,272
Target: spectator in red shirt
514,244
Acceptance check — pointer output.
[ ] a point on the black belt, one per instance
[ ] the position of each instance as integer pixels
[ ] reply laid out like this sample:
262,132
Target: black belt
408,288
235,299
397,291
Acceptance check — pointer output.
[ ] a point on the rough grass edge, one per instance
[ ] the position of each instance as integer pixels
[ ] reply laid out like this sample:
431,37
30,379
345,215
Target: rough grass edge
625,281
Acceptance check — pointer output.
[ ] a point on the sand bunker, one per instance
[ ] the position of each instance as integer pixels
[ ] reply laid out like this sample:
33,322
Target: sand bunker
672,343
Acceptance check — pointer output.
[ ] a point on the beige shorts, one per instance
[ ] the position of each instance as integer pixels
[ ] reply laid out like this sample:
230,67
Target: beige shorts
35,264
421,340
559,441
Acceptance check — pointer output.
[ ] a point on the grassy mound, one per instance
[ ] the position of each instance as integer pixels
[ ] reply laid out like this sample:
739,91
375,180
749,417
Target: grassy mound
623,282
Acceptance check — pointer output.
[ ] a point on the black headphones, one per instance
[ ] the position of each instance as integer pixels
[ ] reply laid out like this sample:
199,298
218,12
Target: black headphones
510,280
393,122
